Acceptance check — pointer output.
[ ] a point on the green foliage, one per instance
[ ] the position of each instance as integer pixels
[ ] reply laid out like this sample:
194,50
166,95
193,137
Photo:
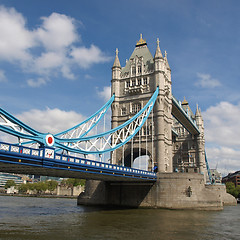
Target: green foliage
22,188
73,182
235,191
39,187
52,185
10,183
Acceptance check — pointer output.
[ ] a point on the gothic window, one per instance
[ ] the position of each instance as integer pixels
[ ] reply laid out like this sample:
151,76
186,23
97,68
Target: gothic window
133,70
145,81
136,107
124,111
133,82
139,81
128,84
139,69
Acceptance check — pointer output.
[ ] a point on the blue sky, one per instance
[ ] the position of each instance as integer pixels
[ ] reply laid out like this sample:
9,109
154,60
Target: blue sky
56,58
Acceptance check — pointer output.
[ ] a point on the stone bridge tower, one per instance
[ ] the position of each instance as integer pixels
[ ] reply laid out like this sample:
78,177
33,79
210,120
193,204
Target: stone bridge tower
133,85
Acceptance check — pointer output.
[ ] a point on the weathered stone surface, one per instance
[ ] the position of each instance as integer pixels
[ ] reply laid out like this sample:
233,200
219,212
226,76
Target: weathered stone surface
172,191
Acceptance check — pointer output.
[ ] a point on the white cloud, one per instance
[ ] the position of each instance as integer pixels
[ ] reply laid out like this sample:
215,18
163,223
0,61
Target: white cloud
224,159
55,40
2,76
206,81
15,39
66,71
36,83
221,132
85,57
105,94
48,61
222,124
57,32
50,120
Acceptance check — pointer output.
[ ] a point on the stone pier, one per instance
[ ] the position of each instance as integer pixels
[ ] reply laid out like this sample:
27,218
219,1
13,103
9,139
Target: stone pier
171,191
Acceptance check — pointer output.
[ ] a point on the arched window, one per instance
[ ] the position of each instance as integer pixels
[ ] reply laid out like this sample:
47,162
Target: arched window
145,81
139,69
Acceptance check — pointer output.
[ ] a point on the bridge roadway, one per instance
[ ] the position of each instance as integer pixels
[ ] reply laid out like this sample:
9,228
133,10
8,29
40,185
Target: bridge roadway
45,162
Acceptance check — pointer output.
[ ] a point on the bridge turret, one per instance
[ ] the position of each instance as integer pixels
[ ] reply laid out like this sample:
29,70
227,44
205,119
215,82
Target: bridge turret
115,89
168,69
158,59
200,141
199,119
116,71
162,112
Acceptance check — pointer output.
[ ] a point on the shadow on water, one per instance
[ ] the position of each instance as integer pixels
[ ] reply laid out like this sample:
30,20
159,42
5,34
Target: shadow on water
35,218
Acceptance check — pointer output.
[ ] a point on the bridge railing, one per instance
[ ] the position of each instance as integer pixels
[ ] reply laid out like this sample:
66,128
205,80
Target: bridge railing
46,157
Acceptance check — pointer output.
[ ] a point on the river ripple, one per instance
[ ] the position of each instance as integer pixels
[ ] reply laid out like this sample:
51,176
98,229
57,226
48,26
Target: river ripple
55,218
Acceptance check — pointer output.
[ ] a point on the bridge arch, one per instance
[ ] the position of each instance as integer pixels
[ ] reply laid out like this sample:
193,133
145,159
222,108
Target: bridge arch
137,158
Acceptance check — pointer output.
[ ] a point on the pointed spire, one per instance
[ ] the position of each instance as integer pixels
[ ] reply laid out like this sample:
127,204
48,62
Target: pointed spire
116,62
184,102
166,61
197,114
158,53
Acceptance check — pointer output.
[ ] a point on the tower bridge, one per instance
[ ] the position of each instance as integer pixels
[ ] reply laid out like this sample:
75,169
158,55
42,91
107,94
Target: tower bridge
147,123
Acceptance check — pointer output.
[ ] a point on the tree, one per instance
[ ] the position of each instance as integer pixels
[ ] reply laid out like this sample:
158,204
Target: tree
235,191
73,182
40,187
22,188
10,183
52,185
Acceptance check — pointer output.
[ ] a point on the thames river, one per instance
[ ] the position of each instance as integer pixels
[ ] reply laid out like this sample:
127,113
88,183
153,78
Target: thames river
56,218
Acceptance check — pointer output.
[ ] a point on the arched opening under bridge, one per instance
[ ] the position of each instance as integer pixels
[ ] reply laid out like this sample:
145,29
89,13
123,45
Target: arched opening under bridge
138,158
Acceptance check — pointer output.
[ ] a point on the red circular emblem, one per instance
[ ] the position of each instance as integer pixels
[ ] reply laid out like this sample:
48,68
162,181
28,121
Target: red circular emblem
49,140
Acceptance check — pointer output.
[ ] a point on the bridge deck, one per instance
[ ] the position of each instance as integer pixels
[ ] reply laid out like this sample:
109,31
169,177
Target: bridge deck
23,160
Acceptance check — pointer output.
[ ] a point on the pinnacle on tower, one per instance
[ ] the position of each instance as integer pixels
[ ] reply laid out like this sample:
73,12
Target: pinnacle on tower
184,102
158,53
166,61
141,42
197,114
116,61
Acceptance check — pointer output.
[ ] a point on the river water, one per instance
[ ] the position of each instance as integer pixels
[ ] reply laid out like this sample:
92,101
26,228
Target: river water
56,218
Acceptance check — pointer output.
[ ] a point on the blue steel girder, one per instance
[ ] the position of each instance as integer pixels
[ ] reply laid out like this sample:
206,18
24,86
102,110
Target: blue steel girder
25,160
112,139
182,116
82,144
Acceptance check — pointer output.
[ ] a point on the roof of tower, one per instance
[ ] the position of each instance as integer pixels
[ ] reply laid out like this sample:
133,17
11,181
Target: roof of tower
141,51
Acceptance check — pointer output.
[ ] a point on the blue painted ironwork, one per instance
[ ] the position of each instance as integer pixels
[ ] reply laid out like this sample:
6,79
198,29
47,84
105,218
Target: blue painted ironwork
113,138
47,158
99,114
208,170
